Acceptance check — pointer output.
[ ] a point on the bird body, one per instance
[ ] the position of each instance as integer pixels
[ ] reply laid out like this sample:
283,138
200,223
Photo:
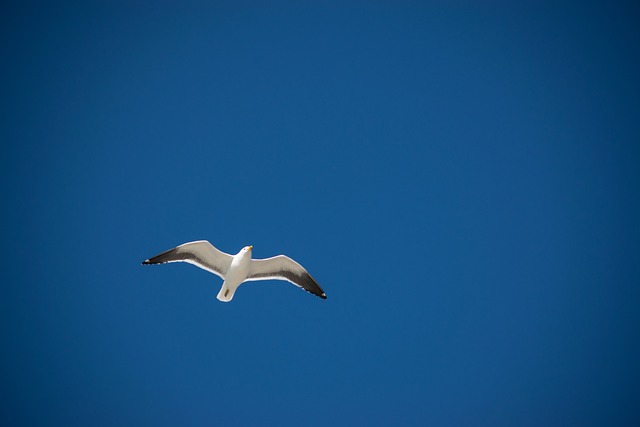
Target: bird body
237,273
239,268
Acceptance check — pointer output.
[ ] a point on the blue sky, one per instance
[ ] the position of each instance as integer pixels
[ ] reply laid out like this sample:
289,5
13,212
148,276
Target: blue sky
461,179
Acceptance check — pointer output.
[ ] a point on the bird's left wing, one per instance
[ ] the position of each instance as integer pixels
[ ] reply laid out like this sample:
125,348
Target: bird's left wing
201,254
284,268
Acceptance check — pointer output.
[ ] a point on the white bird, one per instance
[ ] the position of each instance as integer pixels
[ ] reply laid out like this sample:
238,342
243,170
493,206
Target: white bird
239,268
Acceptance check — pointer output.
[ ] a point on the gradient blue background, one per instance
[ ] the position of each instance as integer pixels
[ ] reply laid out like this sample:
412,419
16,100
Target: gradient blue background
461,178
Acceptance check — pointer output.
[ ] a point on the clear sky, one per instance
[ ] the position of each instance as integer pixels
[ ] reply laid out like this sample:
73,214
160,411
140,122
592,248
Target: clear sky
461,178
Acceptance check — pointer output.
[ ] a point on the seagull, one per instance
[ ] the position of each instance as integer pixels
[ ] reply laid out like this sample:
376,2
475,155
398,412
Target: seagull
239,268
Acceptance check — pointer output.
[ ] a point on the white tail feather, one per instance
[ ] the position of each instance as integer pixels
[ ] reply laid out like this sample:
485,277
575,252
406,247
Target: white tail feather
226,293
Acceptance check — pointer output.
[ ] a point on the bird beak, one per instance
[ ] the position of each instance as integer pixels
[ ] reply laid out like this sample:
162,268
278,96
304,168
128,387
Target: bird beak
250,247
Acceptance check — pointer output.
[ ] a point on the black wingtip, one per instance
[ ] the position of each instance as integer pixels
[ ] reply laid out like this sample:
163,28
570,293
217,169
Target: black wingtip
146,261
323,296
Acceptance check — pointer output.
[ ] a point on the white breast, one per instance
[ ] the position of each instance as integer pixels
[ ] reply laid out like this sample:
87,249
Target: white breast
239,268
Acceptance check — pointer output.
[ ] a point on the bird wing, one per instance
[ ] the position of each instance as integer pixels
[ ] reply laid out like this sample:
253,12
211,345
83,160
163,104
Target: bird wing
284,268
201,254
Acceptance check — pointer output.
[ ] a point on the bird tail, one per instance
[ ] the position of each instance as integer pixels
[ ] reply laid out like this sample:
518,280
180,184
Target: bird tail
226,293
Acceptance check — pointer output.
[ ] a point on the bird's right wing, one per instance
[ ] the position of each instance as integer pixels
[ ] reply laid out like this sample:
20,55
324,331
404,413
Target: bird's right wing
284,268
201,254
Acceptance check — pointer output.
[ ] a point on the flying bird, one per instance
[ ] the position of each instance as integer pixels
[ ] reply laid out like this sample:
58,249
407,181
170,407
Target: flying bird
239,268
